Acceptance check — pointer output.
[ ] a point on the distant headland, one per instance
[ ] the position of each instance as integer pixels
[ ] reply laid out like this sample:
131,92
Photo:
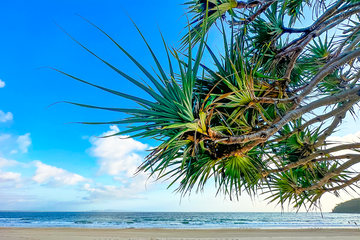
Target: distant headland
352,206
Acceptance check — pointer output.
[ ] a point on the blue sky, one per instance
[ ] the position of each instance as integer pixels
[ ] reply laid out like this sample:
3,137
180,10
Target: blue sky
49,165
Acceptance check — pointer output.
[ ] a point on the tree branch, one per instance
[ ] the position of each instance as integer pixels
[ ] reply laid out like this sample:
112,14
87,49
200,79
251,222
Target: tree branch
352,94
257,13
326,70
346,183
331,174
251,3
321,139
330,12
313,156
315,30
321,118
325,159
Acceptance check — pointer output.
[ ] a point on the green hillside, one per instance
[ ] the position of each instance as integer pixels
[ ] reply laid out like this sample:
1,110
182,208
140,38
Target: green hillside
352,206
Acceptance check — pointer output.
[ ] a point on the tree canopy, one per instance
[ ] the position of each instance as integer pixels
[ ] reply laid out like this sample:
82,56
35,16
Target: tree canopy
257,118
351,206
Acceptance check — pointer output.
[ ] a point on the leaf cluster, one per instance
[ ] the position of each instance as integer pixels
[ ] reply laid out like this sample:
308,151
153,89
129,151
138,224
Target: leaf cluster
249,119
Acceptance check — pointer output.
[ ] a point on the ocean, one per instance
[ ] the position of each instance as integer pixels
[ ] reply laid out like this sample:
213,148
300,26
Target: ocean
183,220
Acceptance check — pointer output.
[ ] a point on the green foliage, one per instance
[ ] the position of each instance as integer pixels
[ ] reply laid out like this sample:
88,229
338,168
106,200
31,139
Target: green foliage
351,206
237,119
294,9
206,13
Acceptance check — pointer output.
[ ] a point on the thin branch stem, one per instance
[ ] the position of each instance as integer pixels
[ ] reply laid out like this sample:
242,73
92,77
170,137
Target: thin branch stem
346,184
331,174
252,17
352,94
313,156
321,139
318,119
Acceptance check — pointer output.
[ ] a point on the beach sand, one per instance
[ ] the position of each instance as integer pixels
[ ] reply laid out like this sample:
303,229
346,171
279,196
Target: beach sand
152,234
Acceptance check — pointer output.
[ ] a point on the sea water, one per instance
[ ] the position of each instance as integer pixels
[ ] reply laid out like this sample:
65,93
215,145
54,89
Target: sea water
188,220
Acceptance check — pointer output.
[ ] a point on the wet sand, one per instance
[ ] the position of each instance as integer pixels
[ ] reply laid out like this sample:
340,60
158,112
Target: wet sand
185,234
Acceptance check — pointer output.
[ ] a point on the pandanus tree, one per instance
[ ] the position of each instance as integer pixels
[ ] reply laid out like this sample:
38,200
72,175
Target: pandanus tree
259,117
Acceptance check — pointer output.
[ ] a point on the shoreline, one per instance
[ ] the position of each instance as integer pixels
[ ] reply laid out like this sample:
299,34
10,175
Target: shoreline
185,229
158,233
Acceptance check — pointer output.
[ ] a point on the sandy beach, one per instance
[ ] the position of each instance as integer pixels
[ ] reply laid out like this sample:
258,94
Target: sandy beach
152,234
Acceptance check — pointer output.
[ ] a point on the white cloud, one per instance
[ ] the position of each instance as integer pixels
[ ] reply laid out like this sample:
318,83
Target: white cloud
120,157
16,200
4,117
117,155
7,163
109,192
9,177
348,139
351,138
24,142
57,177
13,151
4,137
2,84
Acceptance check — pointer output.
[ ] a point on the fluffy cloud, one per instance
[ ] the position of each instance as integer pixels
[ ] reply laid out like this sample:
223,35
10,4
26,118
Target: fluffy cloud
117,155
109,192
2,84
9,177
351,138
4,117
17,201
348,139
7,163
57,177
24,142
4,137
